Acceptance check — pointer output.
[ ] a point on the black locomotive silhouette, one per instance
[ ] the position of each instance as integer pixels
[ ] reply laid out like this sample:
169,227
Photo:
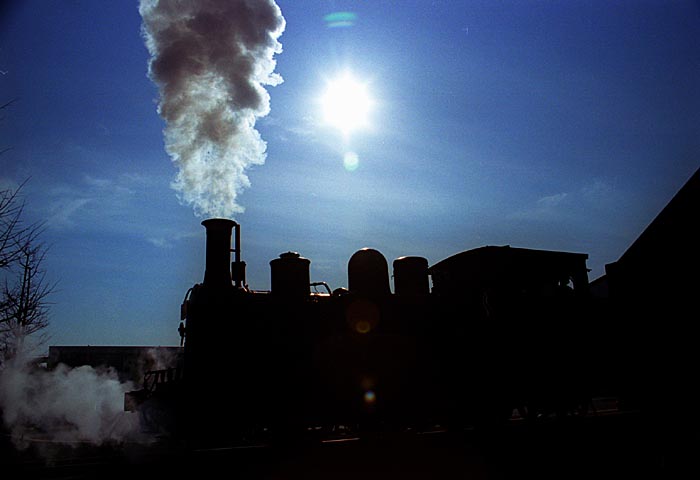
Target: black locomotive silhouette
501,330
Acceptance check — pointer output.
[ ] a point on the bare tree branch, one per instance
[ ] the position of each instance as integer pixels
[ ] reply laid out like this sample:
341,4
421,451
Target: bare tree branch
3,107
7,104
24,296
14,235
25,305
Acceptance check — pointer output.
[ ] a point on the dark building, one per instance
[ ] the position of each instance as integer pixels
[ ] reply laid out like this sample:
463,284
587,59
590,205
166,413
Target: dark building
653,290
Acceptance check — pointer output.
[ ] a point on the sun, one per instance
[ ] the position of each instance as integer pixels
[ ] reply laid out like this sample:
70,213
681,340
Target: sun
346,103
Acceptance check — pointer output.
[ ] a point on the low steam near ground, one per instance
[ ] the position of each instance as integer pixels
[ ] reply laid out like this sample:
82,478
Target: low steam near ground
65,405
82,404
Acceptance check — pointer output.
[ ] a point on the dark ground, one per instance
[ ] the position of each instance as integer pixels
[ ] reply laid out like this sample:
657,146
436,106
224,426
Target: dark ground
620,446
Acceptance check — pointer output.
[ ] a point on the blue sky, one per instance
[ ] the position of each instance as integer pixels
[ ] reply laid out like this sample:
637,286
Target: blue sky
557,125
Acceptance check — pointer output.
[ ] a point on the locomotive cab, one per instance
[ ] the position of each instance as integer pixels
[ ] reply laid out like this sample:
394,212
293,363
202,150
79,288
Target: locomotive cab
521,313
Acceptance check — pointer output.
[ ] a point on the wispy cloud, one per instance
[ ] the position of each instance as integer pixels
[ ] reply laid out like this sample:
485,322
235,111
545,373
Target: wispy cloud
552,201
304,128
160,242
167,239
556,206
598,192
64,211
547,207
90,200
123,205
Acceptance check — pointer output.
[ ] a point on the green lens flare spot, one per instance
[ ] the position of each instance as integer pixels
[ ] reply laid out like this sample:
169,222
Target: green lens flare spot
340,19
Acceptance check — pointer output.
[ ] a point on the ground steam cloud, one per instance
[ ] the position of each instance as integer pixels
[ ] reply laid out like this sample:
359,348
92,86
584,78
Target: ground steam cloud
211,60
65,404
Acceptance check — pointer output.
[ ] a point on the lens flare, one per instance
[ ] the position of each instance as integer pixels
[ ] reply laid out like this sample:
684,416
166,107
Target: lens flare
363,326
362,316
351,161
340,19
370,397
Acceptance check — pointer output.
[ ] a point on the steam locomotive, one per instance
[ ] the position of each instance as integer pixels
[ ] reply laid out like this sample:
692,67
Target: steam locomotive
502,330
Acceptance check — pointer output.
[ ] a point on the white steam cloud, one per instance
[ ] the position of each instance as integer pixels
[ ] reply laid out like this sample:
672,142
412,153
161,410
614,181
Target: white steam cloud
65,404
211,60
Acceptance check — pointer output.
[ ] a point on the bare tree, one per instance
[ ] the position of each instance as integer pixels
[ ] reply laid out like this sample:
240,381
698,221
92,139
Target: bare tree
3,107
24,291
14,235
24,304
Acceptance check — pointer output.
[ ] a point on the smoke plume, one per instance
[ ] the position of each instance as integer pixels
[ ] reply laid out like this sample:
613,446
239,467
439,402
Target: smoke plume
211,60
65,404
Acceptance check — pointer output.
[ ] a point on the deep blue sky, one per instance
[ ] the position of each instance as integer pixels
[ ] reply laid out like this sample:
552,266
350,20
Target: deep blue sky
563,125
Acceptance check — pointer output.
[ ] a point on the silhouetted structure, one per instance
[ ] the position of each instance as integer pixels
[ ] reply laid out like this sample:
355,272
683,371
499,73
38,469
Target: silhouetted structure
501,329
653,290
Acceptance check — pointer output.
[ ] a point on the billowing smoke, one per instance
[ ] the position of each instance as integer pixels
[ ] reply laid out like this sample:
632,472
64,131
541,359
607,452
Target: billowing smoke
211,60
64,405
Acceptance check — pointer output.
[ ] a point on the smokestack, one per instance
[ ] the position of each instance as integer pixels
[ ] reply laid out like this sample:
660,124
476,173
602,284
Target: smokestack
211,61
218,257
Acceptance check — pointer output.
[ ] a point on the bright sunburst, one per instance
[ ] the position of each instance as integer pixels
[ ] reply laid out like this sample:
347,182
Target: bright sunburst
346,103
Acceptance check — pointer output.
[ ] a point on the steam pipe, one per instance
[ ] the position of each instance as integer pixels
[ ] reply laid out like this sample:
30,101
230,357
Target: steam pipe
238,267
237,244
